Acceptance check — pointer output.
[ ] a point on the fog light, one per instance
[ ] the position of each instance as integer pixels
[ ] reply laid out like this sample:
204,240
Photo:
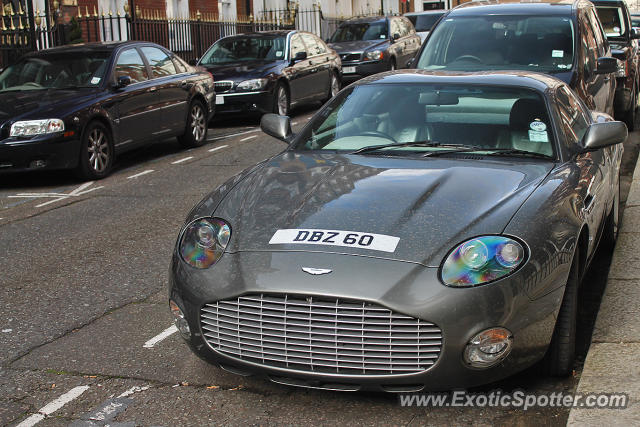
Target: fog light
488,348
179,320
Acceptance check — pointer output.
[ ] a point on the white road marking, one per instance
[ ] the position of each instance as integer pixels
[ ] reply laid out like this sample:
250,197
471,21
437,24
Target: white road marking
53,406
182,160
57,197
140,174
232,135
218,148
162,335
134,389
248,138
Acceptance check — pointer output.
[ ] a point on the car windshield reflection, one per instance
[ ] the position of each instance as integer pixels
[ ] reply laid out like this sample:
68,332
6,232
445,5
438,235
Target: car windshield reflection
362,31
55,72
246,48
367,119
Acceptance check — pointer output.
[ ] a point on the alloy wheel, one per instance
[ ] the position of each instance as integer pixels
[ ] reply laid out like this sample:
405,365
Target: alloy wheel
198,125
98,147
335,85
282,101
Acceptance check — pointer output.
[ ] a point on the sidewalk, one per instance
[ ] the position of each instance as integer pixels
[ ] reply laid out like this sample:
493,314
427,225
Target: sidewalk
612,364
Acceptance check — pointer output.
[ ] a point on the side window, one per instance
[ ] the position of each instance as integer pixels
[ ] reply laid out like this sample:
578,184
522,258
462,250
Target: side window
406,27
296,45
394,27
310,43
589,48
130,64
598,32
180,66
322,48
572,115
160,63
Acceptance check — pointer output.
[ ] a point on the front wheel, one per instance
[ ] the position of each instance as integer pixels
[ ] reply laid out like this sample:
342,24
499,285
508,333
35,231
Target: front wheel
96,152
196,129
281,100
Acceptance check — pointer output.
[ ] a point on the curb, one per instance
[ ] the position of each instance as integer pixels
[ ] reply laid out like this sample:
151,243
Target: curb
611,365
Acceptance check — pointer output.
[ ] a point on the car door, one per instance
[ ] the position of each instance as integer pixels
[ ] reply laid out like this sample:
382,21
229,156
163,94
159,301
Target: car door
135,105
299,71
396,47
413,40
603,49
594,176
319,78
172,90
597,87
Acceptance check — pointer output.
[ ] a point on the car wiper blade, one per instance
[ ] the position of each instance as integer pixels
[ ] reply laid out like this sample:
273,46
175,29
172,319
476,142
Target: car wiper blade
426,143
509,151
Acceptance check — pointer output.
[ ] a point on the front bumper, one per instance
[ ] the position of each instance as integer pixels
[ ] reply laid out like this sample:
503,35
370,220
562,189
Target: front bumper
249,102
363,69
405,288
43,152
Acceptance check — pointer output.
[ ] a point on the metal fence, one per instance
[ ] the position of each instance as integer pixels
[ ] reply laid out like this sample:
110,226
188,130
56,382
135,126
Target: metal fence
26,30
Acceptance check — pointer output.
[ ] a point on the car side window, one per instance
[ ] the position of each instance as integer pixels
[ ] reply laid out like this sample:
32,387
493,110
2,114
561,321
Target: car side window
394,27
589,48
322,48
130,64
180,66
598,32
160,63
311,44
296,45
572,116
405,25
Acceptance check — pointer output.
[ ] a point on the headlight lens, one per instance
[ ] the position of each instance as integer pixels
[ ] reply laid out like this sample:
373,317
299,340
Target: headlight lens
374,55
253,84
482,260
204,241
36,127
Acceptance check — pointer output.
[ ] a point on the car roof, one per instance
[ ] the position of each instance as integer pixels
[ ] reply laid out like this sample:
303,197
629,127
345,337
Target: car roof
364,19
89,47
519,7
264,33
427,12
527,79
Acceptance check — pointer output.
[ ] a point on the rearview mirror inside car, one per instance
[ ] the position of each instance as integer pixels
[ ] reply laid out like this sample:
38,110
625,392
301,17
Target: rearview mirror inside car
277,126
607,65
600,135
438,98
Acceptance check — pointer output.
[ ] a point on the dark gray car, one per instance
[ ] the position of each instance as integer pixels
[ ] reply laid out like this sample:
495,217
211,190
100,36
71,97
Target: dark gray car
431,243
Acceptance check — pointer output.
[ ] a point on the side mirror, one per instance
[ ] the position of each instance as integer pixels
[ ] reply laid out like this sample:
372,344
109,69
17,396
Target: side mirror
395,37
300,56
607,65
605,134
635,33
194,61
122,82
277,126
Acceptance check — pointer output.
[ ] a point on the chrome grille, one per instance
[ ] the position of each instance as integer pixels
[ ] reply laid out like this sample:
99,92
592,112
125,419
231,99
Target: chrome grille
223,86
320,334
350,56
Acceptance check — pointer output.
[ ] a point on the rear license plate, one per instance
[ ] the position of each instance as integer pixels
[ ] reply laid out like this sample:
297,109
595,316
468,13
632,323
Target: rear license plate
348,70
219,99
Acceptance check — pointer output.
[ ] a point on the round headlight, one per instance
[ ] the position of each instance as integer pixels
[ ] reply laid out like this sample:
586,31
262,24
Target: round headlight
204,241
482,260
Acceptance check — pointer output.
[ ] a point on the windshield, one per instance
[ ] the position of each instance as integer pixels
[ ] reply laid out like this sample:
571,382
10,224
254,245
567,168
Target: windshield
363,31
533,43
245,48
58,71
450,115
612,20
424,22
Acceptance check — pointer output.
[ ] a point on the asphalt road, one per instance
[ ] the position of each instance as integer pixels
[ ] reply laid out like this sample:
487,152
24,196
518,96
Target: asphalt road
83,269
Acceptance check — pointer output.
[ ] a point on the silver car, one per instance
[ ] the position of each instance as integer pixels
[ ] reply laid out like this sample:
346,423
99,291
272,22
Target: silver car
423,230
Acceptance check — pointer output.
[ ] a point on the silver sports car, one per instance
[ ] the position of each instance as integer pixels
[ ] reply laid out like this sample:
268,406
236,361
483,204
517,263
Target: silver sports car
422,231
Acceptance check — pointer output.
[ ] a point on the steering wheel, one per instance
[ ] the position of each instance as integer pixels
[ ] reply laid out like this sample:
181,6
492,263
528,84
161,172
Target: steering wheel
32,84
378,133
468,58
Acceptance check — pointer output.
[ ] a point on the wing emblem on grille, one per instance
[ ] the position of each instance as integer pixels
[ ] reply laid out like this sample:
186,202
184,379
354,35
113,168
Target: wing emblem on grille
316,271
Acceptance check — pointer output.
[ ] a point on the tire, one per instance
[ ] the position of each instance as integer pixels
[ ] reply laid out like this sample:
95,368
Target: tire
560,357
629,116
392,65
195,132
96,152
334,86
281,100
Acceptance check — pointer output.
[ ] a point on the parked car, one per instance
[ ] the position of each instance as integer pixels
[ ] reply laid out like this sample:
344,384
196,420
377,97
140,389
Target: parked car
635,19
563,38
405,245
271,71
77,107
424,21
374,44
615,19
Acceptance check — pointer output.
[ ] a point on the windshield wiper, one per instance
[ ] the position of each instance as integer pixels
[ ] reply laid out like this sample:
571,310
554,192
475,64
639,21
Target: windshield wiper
509,151
427,143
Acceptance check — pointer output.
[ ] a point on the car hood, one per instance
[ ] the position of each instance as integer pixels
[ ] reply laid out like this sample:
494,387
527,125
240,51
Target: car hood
36,104
429,204
239,71
356,46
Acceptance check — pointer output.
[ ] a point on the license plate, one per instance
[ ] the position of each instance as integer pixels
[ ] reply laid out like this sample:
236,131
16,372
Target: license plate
219,99
348,70
351,239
